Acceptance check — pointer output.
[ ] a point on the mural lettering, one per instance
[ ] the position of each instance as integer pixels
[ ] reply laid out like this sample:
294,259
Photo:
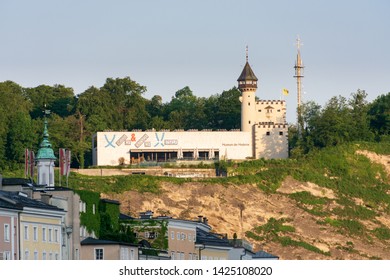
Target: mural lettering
109,143
171,142
141,140
121,140
160,141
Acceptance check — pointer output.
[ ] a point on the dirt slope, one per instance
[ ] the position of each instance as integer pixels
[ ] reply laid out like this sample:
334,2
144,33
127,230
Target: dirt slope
239,208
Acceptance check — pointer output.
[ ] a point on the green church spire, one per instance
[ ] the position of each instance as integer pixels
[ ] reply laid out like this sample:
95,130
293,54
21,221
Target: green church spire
45,149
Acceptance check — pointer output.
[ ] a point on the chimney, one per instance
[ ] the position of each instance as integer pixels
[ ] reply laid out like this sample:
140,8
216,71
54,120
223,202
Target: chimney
146,215
205,220
200,218
46,198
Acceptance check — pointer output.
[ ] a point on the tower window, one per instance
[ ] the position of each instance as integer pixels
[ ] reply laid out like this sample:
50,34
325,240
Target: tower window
249,104
268,133
249,122
280,132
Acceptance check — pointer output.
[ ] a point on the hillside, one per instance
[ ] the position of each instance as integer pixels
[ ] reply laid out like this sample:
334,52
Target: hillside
331,204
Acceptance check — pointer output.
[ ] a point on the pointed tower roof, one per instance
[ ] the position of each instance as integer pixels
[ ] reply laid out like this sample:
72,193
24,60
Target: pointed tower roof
247,74
45,149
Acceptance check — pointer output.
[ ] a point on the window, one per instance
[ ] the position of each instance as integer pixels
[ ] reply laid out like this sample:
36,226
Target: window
178,255
183,236
82,207
44,256
35,255
50,234
178,236
6,255
6,232
57,257
26,255
268,133
124,254
99,254
56,235
172,235
44,234
172,255
25,232
35,233
189,237
280,132
132,254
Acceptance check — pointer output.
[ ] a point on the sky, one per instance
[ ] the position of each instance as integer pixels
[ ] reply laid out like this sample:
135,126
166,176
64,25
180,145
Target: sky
167,45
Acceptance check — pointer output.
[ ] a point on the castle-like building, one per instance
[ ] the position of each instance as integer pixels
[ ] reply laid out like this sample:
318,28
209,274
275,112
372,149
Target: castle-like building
263,134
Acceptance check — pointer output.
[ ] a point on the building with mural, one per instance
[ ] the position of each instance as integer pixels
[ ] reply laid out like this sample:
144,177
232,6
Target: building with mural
263,134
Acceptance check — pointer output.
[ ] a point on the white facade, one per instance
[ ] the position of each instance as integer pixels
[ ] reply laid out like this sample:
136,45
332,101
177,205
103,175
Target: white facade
109,147
45,169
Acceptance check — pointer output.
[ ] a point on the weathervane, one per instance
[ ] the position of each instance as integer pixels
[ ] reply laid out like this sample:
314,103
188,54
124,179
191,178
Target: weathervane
45,111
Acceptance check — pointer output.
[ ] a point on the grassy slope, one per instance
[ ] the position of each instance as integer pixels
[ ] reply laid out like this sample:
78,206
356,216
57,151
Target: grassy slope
350,176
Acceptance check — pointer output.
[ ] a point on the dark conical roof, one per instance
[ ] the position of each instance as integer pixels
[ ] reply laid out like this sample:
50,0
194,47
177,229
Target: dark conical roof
247,74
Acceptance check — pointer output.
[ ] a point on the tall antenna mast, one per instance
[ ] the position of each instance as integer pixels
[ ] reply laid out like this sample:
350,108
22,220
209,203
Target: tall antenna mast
299,75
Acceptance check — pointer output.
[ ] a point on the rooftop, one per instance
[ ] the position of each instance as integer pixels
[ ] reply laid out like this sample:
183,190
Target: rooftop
19,200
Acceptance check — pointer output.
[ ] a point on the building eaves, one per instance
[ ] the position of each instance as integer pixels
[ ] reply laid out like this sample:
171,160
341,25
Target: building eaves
94,241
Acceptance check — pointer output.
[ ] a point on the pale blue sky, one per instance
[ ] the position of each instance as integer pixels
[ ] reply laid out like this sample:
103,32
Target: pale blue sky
166,45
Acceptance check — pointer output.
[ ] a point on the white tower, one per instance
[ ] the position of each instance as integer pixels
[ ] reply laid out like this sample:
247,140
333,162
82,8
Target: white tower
247,84
45,159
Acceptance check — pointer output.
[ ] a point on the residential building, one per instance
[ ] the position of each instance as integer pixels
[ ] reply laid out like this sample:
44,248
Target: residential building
96,249
40,227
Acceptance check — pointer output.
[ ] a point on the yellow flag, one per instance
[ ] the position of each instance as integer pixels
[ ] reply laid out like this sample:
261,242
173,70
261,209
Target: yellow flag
285,91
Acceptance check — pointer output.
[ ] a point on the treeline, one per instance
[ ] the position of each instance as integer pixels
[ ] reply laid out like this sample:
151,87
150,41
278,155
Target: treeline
119,105
341,120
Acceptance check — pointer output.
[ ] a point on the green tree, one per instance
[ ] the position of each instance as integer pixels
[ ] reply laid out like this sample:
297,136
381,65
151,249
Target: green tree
360,129
129,107
379,115
20,136
58,98
228,113
14,107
